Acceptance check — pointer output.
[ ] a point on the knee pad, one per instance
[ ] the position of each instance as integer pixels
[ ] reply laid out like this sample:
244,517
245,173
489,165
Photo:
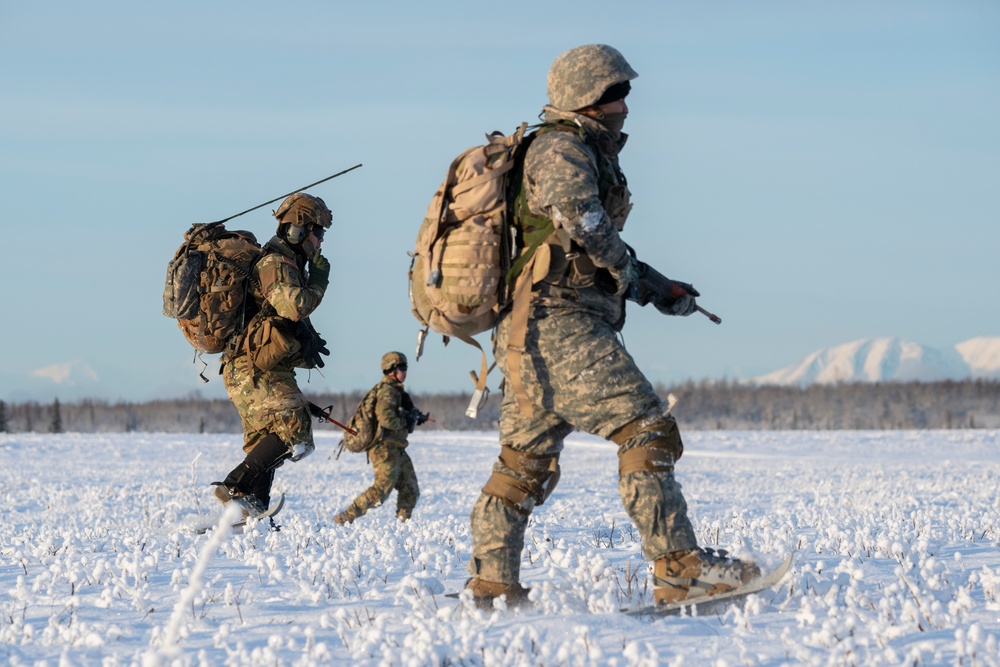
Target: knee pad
655,445
650,459
518,494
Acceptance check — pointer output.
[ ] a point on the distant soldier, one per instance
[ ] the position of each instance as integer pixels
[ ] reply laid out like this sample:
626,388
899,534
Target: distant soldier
568,368
393,468
286,285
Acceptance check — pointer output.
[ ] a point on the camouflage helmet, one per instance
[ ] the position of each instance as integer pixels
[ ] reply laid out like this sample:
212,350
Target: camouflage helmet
392,360
301,210
579,77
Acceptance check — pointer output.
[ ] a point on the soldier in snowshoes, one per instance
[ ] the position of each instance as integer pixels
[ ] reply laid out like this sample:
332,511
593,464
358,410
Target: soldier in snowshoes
396,417
569,368
286,285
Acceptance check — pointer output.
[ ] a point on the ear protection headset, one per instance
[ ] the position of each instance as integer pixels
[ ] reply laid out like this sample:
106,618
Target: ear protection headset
296,235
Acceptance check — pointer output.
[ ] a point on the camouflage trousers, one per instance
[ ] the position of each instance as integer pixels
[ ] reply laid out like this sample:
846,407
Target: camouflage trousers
393,471
268,402
576,373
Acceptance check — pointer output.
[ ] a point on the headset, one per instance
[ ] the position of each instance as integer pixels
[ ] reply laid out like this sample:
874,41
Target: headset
296,235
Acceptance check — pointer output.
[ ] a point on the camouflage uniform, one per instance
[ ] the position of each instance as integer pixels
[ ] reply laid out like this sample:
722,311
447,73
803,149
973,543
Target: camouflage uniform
270,401
390,462
575,370
272,409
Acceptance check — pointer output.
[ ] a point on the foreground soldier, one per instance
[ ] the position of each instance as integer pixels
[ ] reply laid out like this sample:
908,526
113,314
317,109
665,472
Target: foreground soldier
392,465
286,285
572,369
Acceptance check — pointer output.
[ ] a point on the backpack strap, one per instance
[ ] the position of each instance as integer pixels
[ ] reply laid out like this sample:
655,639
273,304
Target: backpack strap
529,268
516,338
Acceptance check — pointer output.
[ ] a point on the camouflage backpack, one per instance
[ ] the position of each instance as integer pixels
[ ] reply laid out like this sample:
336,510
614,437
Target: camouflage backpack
458,273
206,285
365,422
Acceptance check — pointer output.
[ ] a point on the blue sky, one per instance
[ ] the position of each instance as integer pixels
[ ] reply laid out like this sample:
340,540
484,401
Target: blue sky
821,172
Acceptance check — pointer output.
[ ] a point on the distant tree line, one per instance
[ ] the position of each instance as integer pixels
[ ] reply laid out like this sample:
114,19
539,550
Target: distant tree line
702,406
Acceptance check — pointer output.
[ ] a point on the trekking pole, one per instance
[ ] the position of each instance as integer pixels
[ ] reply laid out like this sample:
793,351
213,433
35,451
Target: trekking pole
339,173
714,318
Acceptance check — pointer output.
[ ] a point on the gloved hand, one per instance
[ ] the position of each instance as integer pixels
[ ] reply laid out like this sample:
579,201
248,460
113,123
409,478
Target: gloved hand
670,297
680,300
319,272
313,346
626,274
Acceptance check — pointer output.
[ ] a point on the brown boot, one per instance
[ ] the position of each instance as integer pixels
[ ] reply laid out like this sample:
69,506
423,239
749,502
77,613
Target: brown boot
344,518
484,592
685,575
222,493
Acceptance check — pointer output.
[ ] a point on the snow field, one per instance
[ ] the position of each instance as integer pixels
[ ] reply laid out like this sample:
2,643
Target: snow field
896,534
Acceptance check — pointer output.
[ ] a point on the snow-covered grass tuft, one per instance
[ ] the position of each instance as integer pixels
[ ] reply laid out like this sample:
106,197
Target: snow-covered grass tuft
896,536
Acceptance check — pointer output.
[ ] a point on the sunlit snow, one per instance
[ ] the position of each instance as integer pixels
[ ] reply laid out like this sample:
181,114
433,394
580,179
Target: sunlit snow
896,538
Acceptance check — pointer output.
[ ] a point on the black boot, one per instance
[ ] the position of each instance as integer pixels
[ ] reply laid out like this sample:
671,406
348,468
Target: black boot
254,475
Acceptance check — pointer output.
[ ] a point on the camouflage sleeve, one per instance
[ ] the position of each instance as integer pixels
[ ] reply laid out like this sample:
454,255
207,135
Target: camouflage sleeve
387,406
562,180
285,288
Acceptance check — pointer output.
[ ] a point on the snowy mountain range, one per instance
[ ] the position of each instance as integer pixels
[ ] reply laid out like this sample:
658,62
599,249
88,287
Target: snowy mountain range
892,360
869,360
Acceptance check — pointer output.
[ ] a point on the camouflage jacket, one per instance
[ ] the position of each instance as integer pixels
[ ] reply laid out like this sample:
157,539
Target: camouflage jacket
283,301
391,400
573,179
279,279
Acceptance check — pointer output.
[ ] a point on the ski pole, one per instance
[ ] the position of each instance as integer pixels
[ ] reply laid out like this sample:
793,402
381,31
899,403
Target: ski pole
324,180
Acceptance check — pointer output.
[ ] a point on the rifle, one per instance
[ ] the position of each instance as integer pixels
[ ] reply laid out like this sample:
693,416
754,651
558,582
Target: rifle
325,416
302,189
654,287
419,418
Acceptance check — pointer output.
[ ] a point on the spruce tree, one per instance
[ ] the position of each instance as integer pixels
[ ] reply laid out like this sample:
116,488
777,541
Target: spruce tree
3,417
56,426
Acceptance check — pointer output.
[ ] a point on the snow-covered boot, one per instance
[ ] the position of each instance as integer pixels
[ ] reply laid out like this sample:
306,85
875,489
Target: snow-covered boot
685,575
251,505
484,592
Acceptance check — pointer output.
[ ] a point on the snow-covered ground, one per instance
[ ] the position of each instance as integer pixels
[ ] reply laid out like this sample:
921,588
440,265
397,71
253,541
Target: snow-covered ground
896,538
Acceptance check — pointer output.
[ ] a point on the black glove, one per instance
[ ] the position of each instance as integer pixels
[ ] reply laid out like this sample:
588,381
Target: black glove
410,419
313,346
670,297
676,303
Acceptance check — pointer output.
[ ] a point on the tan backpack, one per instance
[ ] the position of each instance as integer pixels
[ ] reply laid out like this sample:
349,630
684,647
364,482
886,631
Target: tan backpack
458,271
364,423
206,284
